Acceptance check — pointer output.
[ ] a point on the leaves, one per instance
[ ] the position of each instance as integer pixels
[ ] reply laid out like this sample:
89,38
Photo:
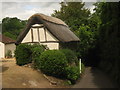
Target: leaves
73,13
11,27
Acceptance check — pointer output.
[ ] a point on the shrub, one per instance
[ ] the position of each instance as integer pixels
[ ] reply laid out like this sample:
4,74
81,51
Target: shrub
23,54
72,73
70,56
36,52
9,54
53,62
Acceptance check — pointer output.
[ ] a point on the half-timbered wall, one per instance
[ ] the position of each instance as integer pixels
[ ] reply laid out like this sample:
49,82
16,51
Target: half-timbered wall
43,36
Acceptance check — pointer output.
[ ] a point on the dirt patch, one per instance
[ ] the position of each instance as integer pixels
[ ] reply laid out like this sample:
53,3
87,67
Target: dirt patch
14,76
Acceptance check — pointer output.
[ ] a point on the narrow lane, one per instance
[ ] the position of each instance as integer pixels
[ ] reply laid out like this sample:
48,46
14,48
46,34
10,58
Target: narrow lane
94,78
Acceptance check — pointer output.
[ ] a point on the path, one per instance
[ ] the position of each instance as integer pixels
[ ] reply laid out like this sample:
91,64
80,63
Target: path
94,78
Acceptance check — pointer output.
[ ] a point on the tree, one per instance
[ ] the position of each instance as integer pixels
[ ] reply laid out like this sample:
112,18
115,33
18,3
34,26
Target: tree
73,13
109,38
11,27
82,23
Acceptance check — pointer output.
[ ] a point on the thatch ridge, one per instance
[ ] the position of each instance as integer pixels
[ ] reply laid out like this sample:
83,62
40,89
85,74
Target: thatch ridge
48,18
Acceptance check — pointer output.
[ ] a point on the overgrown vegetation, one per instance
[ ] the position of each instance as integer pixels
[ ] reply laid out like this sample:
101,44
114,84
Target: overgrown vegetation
109,38
70,56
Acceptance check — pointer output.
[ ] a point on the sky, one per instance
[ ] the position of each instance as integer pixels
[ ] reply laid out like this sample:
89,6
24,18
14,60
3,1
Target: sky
23,10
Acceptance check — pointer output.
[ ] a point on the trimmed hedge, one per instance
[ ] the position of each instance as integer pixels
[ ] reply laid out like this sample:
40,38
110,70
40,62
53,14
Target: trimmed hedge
53,62
23,54
36,52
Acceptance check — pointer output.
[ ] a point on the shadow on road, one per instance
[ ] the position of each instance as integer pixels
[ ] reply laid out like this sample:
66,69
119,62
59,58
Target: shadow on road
3,69
101,79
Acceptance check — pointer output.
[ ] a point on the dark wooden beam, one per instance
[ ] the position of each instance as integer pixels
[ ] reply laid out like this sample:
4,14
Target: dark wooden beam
38,34
32,35
45,34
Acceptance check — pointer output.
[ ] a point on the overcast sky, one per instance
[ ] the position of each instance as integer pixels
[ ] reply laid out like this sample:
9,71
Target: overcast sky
23,10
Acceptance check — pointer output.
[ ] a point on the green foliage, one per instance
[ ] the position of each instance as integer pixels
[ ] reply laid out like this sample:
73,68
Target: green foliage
70,56
9,54
109,45
83,24
53,62
72,73
8,34
87,41
36,52
73,13
11,27
23,54
68,82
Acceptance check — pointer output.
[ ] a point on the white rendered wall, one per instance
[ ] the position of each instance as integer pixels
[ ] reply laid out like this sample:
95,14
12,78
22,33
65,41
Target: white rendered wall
27,37
2,50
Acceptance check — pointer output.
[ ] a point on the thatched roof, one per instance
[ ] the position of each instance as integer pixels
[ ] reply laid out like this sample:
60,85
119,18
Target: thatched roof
6,40
54,25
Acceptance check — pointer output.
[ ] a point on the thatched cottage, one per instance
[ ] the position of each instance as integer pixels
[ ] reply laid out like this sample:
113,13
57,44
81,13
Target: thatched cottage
6,44
47,30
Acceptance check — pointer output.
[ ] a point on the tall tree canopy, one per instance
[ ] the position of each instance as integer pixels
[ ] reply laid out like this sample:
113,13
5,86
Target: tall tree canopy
11,27
73,13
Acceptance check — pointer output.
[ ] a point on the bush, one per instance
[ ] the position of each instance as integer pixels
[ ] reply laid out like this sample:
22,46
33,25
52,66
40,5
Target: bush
70,56
36,52
23,54
72,73
9,54
53,62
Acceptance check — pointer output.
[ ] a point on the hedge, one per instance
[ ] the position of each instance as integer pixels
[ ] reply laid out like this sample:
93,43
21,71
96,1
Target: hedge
53,62
36,52
23,54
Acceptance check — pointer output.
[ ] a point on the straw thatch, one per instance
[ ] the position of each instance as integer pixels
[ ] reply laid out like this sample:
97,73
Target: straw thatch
54,25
